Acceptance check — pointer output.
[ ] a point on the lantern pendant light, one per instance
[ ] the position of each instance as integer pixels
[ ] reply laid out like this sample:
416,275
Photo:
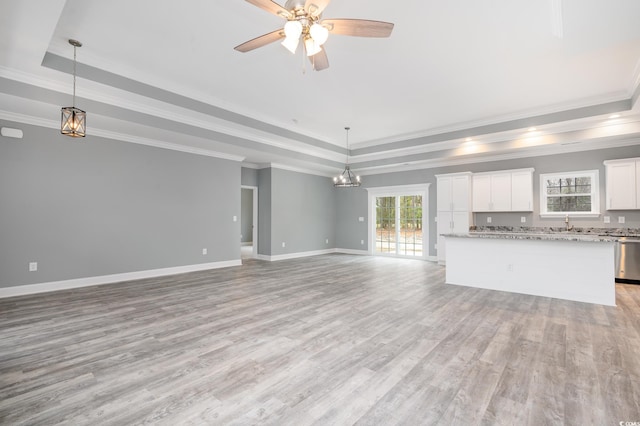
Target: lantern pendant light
74,120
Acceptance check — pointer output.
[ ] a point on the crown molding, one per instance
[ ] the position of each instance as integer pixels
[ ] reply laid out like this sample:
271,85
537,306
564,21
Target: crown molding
470,127
299,170
561,148
54,124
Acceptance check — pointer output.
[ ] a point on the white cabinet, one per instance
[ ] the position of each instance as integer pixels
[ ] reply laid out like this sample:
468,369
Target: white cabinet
481,193
453,192
504,191
453,205
623,184
522,191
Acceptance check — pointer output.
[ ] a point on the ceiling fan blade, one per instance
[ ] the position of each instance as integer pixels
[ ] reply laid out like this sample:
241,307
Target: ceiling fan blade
320,60
272,7
315,7
263,40
358,27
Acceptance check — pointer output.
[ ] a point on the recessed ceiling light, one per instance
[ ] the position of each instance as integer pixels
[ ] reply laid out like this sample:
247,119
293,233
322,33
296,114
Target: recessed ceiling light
612,116
532,129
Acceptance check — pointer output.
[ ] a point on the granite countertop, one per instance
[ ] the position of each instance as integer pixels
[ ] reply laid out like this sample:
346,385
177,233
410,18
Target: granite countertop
606,235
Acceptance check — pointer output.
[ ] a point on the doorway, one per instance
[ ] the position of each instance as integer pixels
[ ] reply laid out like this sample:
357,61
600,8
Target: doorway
397,218
248,222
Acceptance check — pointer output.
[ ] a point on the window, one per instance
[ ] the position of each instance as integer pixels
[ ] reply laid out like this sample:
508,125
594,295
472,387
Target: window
575,193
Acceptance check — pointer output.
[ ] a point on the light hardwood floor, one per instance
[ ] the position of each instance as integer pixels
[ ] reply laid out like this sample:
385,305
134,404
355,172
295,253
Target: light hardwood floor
328,340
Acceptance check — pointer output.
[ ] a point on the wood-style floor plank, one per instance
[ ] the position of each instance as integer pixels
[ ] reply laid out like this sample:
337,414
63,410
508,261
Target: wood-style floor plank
327,340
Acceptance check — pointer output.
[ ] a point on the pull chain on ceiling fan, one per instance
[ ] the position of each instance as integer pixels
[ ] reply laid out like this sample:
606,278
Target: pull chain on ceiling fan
305,23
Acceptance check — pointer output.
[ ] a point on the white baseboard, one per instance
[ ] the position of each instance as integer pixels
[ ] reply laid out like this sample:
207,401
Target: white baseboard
351,251
295,255
22,290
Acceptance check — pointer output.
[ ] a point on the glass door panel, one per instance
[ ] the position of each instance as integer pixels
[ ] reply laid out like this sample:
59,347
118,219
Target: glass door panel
399,225
410,238
386,225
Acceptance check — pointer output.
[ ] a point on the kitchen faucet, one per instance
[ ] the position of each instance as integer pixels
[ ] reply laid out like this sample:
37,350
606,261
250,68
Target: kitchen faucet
566,221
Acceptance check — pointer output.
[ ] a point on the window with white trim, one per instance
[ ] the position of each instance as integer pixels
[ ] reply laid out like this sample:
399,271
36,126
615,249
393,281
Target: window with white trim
574,193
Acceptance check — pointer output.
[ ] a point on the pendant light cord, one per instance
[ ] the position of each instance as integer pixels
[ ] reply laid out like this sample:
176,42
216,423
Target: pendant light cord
74,76
347,129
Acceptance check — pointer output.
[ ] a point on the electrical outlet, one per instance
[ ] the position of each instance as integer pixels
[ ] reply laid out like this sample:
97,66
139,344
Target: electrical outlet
33,266
235,218
510,267
435,246
204,251
620,219
523,219
326,241
488,219
607,219
361,242
361,219
283,244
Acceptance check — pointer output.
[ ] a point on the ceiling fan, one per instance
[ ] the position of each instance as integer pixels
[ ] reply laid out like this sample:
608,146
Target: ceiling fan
304,22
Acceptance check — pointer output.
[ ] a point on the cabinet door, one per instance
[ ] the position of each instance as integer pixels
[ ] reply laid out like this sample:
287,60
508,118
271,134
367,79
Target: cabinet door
522,191
460,193
460,222
621,186
443,195
501,192
481,193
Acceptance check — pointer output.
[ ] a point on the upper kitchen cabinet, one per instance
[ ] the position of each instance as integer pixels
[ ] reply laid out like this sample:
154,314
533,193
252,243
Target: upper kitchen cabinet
623,184
503,191
522,191
453,192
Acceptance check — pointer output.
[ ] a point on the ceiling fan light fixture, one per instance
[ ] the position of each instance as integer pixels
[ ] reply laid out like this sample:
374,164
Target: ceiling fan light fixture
291,44
319,33
311,46
293,29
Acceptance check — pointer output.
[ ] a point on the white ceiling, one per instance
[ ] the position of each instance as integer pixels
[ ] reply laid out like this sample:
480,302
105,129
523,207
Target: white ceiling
450,71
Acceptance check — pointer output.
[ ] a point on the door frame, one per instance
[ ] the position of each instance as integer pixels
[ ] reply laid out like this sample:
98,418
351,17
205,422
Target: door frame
394,191
254,235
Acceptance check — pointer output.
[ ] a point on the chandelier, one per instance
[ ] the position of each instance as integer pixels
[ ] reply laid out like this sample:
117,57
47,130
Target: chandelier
304,26
347,179
74,120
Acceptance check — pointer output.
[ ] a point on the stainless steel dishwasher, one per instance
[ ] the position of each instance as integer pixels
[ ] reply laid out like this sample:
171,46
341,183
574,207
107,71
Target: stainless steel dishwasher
628,260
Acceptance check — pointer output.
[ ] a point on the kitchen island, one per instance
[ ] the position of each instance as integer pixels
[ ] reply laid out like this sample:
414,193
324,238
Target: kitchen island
560,265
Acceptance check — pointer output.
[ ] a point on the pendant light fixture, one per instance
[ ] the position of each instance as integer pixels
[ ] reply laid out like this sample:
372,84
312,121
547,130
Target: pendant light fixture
74,120
347,179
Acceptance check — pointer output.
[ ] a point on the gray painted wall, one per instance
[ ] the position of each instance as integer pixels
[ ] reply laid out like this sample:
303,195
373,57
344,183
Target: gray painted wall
347,207
249,177
246,217
351,204
93,206
303,212
264,211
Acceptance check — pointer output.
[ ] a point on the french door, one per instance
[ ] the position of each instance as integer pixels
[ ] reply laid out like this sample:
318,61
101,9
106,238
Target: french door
399,225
